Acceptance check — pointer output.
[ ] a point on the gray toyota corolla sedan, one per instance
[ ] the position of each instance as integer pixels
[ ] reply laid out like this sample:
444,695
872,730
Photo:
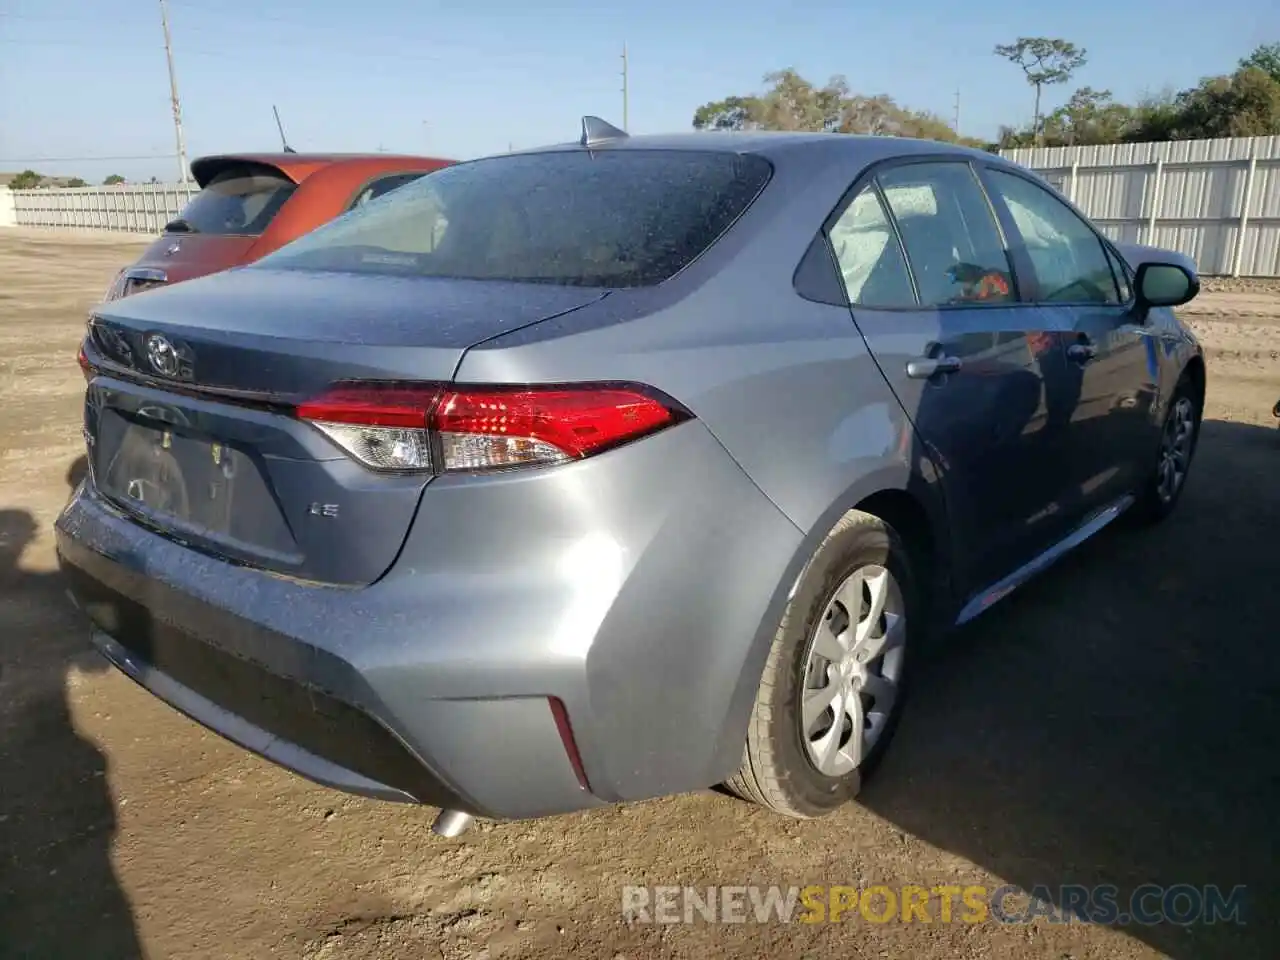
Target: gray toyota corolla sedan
619,468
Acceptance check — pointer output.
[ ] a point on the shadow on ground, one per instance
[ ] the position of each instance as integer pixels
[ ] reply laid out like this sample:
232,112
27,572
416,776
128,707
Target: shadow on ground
1116,721
59,896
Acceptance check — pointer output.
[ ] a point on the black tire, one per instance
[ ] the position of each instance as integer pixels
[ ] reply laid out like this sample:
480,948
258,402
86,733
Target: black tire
776,770
1151,506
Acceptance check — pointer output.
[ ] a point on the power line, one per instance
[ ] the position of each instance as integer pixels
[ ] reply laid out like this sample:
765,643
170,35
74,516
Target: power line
252,61
147,156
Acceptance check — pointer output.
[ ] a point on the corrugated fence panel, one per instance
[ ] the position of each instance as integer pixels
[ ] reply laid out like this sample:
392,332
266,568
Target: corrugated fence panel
1137,154
133,208
1187,195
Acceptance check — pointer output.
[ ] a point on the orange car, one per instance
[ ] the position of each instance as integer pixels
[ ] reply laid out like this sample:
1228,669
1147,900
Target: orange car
251,204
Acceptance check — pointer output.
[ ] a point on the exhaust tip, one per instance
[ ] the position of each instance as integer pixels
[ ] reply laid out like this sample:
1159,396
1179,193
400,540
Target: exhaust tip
451,823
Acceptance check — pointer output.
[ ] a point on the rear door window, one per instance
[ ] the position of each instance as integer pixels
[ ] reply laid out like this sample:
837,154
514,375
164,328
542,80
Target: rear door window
239,202
950,234
612,218
870,258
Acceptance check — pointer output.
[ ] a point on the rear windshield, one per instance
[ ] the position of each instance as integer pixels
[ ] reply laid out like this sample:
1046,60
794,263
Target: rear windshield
610,219
235,202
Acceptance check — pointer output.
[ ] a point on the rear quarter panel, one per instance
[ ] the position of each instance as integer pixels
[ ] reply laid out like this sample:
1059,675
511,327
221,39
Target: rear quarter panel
786,386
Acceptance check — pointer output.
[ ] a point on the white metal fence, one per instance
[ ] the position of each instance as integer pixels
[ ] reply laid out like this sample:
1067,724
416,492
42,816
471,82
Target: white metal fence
1215,200
134,208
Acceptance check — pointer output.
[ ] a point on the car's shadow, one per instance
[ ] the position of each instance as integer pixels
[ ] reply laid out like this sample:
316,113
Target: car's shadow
59,895
1117,721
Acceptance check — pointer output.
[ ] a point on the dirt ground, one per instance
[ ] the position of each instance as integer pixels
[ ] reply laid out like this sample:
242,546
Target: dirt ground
1115,722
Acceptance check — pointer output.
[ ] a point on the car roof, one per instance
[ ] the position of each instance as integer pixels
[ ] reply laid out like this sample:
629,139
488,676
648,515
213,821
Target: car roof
298,166
776,145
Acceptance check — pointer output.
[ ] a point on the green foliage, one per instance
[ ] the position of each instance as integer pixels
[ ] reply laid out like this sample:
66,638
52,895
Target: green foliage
1245,103
790,102
76,182
1045,61
26,180
732,113
1265,58
112,179
1240,104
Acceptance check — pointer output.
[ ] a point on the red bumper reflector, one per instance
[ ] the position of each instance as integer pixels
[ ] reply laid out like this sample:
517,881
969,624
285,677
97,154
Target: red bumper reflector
561,716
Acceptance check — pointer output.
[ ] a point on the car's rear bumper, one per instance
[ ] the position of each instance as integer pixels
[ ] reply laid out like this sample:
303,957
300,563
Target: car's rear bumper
648,624
309,710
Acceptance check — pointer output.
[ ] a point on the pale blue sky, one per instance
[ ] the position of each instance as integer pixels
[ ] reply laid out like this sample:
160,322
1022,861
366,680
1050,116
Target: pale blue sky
86,78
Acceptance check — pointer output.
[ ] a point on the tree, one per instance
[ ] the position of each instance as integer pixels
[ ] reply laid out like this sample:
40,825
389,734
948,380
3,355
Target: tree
76,182
1245,104
1265,58
1089,116
1154,117
1045,62
732,113
26,180
112,179
791,102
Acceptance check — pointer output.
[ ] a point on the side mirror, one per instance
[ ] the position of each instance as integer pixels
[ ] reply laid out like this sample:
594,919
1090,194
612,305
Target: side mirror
1165,285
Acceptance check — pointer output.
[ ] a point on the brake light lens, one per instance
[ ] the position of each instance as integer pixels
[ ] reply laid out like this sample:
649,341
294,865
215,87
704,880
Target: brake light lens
85,366
384,427
442,429
509,428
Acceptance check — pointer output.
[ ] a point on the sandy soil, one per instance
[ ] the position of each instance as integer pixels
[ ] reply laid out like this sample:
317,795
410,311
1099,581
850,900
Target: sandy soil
1115,722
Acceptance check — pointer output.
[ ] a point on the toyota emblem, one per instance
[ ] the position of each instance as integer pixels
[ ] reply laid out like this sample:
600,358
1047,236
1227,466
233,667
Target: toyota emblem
163,355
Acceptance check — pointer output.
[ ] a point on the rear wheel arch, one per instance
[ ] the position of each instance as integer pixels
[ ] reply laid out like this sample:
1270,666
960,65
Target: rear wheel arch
904,500
911,520
1194,372
775,769
921,526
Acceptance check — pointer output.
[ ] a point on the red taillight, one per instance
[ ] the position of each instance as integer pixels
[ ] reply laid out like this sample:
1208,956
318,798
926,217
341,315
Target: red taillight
85,366
382,426
391,426
495,428
374,406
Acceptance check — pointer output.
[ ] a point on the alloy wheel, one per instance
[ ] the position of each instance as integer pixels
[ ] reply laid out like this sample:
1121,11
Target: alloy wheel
853,670
1175,449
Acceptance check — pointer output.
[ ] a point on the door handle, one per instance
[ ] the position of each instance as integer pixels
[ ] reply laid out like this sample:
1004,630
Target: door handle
922,368
1082,352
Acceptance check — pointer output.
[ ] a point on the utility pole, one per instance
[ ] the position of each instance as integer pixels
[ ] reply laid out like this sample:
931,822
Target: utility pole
624,88
173,94
956,123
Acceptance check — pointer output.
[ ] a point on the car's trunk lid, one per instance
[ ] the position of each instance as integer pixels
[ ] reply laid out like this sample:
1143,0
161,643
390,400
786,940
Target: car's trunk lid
190,420
185,256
